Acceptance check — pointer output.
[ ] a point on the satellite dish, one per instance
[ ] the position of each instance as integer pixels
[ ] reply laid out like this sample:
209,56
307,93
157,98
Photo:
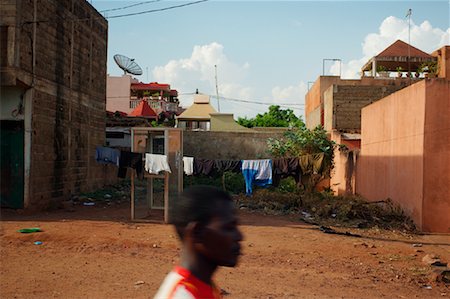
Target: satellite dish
128,65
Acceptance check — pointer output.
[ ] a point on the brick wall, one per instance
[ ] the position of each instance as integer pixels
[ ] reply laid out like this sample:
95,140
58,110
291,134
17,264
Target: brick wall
343,104
227,145
68,102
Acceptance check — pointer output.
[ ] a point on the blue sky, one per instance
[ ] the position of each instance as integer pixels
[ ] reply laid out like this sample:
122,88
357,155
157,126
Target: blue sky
265,51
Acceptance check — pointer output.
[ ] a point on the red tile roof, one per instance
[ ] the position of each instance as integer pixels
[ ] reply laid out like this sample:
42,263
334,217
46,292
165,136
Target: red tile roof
150,86
400,48
144,110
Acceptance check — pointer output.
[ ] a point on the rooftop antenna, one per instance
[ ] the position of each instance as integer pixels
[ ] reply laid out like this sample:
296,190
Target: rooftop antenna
217,89
408,15
128,65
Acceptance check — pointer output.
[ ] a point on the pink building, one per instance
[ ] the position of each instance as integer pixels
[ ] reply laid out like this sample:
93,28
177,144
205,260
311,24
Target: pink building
125,93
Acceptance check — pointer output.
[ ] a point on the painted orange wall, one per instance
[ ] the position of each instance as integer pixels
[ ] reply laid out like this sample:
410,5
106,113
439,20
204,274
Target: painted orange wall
436,164
390,163
405,153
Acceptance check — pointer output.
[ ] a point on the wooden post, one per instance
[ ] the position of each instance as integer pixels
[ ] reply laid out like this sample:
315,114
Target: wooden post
132,195
223,182
166,197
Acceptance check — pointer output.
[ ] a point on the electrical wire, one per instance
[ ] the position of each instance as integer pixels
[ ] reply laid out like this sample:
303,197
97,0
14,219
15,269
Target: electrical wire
155,10
119,16
129,6
293,105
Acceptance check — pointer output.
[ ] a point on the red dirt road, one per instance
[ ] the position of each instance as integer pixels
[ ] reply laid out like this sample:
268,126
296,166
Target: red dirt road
96,252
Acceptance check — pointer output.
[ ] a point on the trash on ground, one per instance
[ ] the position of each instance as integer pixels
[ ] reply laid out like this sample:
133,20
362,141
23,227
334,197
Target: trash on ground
329,230
433,260
38,243
417,245
139,282
88,203
29,230
441,275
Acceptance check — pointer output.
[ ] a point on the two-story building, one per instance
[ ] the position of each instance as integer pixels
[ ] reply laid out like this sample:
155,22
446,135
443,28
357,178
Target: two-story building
53,89
125,93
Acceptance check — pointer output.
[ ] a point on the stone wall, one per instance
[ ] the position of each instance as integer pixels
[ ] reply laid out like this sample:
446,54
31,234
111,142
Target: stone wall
61,66
227,145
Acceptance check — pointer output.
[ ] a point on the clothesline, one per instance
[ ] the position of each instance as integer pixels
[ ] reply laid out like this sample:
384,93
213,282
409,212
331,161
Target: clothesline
260,172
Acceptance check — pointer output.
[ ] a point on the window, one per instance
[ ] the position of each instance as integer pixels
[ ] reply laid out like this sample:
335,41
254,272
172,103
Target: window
115,135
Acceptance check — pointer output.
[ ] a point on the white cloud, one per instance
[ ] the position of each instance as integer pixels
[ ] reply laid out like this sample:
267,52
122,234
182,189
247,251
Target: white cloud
423,36
294,95
198,71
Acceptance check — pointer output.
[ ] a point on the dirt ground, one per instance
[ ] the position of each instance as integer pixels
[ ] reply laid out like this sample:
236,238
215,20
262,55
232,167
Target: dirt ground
95,252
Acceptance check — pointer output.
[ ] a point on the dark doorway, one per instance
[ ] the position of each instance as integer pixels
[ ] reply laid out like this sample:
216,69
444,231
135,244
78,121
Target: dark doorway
12,163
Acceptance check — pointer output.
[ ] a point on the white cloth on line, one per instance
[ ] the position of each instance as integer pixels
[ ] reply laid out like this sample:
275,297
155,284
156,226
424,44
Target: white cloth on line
263,168
188,165
155,163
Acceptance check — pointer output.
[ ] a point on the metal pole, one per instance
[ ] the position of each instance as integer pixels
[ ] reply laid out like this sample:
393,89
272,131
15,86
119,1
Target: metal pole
409,43
217,89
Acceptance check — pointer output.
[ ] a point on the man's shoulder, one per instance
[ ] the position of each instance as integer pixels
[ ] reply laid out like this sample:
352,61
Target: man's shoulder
181,284
176,286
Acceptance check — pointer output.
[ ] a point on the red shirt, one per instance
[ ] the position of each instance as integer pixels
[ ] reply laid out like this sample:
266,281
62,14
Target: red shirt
182,284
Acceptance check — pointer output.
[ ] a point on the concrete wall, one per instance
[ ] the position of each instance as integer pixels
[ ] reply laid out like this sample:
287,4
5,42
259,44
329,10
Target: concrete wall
436,163
405,153
118,94
343,104
65,82
315,98
227,145
314,118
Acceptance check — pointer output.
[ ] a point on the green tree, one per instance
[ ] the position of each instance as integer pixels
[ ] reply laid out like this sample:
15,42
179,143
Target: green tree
275,117
303,141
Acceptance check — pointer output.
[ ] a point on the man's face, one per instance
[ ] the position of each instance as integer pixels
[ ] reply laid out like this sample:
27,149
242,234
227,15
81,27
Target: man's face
221,237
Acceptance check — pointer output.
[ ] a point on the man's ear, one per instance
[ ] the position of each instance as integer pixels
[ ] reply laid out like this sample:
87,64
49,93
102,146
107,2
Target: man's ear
194,231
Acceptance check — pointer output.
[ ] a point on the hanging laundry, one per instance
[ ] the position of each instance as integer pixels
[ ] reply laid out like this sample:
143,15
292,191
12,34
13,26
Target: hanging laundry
188,165
258,172
203,166
312,163
106,155
155,163
317,162
227,165
285,167
131,160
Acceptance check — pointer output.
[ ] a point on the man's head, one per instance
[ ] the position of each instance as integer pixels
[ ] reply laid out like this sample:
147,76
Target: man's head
206,221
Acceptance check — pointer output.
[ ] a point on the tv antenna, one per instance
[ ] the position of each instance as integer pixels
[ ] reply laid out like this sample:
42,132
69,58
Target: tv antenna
127,65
